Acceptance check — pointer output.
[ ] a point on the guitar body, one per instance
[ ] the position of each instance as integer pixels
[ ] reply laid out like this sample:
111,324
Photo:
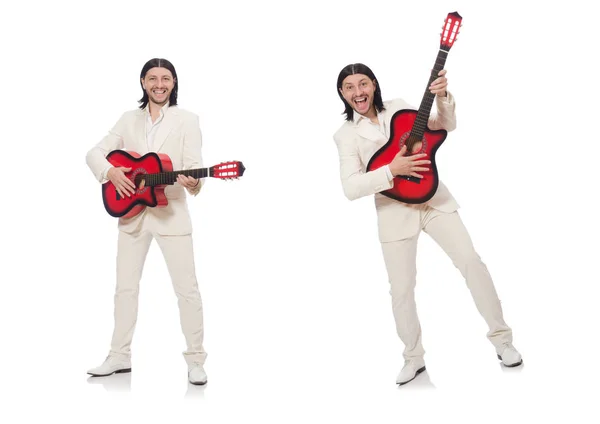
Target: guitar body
411,190
153,196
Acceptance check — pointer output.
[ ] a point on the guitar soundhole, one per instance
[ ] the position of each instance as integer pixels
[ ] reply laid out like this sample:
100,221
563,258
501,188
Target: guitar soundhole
136,172
423,143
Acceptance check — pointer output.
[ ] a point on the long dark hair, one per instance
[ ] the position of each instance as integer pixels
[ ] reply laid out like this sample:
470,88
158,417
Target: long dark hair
159,63
358,68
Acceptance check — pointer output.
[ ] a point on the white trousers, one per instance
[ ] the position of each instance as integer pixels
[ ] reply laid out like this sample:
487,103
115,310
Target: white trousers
449,232
179,257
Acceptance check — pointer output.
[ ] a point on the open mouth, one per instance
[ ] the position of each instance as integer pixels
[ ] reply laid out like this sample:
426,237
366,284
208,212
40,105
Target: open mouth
360,102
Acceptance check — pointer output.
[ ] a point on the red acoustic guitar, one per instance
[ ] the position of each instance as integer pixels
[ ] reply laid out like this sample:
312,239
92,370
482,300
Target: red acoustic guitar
151,173
409,127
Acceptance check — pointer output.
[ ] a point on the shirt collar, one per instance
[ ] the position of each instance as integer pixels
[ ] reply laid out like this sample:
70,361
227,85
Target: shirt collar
357,117
162,110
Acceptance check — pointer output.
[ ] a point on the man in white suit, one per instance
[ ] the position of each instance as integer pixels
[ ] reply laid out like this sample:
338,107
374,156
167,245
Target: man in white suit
366,130
158,125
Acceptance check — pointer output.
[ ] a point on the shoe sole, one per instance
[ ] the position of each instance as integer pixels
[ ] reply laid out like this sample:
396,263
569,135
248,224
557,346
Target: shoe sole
124,370
419,371
201,383
516,364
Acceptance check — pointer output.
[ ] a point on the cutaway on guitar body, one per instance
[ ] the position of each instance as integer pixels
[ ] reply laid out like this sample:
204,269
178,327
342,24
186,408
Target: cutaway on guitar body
145,194
409,189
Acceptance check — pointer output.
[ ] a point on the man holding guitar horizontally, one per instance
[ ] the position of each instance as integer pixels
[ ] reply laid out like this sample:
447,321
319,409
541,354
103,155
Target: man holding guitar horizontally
157,126
367,128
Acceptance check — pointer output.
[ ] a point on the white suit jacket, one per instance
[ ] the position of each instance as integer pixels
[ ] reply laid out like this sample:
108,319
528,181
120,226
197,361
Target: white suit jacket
179,137
357,142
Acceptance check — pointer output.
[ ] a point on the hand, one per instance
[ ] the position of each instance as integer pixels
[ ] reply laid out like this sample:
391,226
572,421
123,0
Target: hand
438,86
123,184
187,182
408,165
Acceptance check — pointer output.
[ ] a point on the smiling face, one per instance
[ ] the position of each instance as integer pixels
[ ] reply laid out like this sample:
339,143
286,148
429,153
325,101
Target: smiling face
158,84
359,91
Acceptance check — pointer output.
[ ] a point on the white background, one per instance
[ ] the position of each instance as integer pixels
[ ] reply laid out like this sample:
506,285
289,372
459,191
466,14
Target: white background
298,318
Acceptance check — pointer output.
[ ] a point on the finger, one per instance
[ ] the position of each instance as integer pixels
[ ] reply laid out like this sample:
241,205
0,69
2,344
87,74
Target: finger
438,87
402,150
123,192
182,179
414,174
129,184
126,186
421,162
442,72
420,169
128,190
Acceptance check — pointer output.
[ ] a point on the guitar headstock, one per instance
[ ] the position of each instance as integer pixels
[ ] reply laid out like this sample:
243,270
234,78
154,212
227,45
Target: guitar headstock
228,170
450,30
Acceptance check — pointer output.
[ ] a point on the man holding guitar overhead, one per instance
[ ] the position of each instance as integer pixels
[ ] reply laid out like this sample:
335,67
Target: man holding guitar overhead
157,126
410,198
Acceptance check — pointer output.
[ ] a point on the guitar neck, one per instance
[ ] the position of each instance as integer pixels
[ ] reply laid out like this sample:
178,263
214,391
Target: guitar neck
422,118
168,178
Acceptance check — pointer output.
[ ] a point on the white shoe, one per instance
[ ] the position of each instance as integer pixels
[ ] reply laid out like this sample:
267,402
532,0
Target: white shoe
411,369
110,366
196,374
509,356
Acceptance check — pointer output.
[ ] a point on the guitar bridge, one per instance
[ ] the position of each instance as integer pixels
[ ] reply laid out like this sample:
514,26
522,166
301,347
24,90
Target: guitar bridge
410,178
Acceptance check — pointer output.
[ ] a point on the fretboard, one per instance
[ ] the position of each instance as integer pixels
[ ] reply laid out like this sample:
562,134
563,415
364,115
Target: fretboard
170,177
422,118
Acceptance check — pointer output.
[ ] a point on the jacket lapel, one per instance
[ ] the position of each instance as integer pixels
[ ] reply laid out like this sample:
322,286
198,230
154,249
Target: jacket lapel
371,139
368,131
